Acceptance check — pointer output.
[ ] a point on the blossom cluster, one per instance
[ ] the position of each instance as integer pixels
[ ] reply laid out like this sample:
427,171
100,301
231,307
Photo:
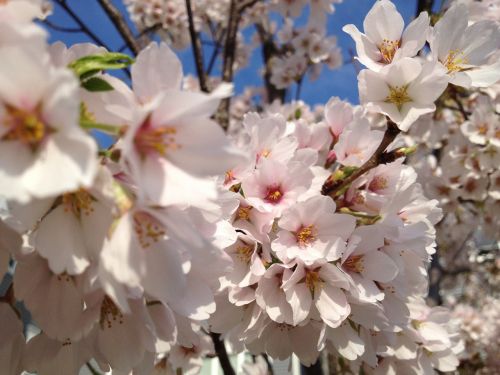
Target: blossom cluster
345,274
481,328
296,51
110,246
302,231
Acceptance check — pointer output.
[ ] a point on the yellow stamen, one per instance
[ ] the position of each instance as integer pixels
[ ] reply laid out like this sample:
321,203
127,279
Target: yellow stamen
109,313
158,140
265,153
313,281
378,183
148,229
388,49
274,195
244,253
79,202
26,127
355,263
398,95
482,129
454,61
244,213
305,235
229,177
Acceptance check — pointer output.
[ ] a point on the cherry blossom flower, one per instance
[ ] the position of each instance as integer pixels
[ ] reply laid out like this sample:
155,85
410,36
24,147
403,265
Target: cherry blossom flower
404,90
40,133
357,143
311,231
384,40
464,50
322,284
276,186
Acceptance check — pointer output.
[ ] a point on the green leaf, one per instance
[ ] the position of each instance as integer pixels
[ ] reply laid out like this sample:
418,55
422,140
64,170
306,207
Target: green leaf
90,65
96,84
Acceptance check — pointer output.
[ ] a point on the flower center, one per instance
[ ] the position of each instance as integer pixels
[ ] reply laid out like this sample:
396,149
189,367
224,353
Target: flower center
148,229
25,127
378,183
244,253
109,313
313,281
388,49
274,194
78,203
155,140
305,235
454,61
265,153
398,95
188,351
482,129
228,177
355,263
244,213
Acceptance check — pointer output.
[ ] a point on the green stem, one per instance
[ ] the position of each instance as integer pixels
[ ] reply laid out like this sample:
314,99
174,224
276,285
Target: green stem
106,128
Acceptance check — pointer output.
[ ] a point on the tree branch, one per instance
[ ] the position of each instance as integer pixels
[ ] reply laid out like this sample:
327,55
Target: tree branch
197,49
424,5
269,50
62,28
118,21
333,188
81,24
223,112
220,349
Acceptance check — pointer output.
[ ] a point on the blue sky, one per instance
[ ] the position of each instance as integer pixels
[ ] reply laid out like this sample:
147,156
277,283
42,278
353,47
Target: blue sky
341,82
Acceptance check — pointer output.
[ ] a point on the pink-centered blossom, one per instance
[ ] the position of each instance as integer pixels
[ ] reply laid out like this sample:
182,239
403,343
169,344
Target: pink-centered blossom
312,231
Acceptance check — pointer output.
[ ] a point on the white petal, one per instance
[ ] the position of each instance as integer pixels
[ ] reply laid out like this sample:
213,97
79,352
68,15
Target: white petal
156,68
59,239
332,305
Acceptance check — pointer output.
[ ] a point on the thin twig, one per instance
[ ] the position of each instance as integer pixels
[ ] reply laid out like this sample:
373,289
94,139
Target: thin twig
299,86
63,29
143,33
229,54
424,5
8,297
269,50
117,19
220,349
380,156
197,49
213,58
81,24
247,4
461,108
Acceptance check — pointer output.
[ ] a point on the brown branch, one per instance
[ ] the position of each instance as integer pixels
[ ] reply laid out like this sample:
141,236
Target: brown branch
247,4
333,188
81,24
424,6
269,50
220,349
118,21
229,55
8,297
143,38
197,49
